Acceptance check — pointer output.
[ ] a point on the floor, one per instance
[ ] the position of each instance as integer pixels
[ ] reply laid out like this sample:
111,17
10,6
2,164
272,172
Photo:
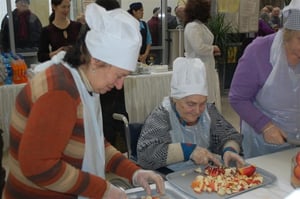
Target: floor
227,112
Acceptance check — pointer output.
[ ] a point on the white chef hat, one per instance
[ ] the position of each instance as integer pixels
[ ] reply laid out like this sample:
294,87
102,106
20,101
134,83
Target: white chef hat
189,78
114,36
291,14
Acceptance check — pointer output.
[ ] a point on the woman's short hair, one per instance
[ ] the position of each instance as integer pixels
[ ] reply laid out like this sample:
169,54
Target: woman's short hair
197,9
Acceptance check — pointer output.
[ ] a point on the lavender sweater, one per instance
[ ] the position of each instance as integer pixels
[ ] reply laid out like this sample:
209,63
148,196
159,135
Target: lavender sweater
251,73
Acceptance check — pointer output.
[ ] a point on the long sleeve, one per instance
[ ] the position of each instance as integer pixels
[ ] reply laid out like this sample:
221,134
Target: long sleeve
264,28
250,76
149,37
41,161
5,34
36,27
221,131
196,40
155,148
44,45
48,143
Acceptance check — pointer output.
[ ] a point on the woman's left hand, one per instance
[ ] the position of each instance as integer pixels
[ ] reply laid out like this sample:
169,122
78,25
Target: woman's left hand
142,58
202,156
232,156
144,177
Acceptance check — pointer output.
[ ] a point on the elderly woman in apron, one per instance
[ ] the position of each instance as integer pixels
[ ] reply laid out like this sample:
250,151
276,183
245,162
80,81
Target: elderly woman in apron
265,89
185,130
64,153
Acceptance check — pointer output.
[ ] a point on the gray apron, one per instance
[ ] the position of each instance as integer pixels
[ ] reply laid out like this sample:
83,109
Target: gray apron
198,134
279,99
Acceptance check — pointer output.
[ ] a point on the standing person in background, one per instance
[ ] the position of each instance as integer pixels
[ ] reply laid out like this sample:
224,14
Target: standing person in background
264,26
64,153
154,25
275,18
137,11
198,42
171,19
265,88
27,28
60,34
179,12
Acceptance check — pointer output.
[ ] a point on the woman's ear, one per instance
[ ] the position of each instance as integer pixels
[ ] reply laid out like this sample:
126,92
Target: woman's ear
93,61
96,63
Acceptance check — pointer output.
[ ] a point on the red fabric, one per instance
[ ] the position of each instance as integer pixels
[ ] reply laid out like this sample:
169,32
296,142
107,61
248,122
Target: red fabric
23,29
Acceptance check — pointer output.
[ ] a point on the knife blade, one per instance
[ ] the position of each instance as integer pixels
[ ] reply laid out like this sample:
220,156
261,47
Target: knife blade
164,196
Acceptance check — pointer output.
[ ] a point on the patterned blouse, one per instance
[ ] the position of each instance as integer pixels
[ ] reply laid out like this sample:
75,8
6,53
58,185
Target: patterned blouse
155,148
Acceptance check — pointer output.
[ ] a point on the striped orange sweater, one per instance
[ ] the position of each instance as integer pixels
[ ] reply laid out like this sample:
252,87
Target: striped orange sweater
47,143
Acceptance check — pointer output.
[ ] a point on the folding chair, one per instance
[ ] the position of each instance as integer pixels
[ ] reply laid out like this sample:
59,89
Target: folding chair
132,133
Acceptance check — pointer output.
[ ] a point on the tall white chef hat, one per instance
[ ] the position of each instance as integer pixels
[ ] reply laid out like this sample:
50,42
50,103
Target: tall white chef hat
189,78
291,14
114,36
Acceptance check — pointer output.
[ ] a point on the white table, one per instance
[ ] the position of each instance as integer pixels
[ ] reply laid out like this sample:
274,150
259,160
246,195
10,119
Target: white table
278,164
144,92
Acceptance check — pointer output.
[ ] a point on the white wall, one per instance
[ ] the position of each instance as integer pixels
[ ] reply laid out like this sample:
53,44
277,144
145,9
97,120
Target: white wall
3,9
148,6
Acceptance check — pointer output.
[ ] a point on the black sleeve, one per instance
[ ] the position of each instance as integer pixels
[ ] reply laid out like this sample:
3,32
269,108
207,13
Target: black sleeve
5,45
43,52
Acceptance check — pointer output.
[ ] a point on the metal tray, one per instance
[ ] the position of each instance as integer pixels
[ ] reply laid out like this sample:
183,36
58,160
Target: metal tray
294,139
171,192
183,179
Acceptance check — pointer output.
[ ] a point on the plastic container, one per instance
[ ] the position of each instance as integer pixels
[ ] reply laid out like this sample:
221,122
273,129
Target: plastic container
2,72
295,171
8,69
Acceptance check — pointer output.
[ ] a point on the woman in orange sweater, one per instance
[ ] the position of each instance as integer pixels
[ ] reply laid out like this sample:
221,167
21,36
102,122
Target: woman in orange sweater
57,147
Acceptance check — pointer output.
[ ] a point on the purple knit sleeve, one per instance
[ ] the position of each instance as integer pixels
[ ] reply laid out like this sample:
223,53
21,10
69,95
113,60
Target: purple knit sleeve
250,75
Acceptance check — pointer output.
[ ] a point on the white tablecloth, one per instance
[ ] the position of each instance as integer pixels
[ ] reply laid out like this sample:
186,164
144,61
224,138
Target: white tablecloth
142,94
8,94
278,164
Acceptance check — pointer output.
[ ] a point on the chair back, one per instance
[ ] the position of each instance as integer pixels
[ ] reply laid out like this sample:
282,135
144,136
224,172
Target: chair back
134,132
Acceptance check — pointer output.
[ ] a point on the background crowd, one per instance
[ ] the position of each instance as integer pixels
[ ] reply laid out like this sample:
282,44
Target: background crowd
83,87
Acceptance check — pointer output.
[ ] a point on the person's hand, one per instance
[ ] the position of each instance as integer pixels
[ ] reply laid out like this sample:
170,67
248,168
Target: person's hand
144,177
63,48
274,135
203,156
230,156
66,48
114,193
217,51
142,58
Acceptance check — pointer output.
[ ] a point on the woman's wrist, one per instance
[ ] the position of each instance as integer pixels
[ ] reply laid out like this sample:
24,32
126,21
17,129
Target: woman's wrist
228,148
268,127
